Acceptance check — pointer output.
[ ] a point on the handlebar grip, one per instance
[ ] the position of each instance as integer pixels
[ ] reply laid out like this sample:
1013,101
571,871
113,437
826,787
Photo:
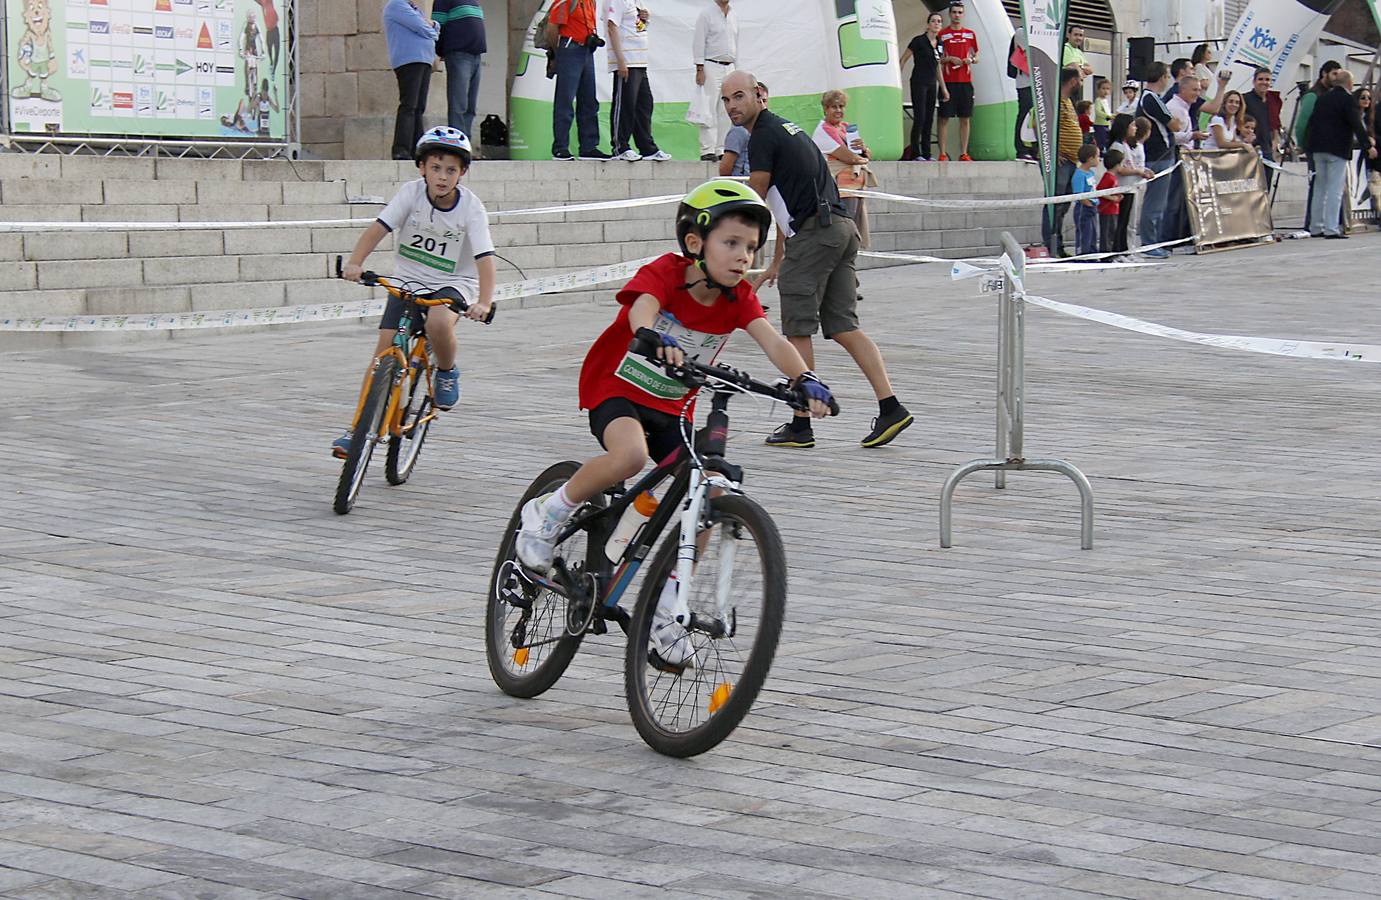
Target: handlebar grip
493,311
369,278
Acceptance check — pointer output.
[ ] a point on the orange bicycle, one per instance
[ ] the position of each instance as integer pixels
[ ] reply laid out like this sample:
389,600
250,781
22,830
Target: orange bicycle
381,409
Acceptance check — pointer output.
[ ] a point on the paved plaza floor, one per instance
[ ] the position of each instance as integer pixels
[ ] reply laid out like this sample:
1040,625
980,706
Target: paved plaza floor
211,686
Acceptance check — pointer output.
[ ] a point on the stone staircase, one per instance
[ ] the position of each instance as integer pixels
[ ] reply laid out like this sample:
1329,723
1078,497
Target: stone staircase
134,272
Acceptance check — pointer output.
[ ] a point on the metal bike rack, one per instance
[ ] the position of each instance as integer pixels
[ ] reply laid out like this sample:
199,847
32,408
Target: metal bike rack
1011,389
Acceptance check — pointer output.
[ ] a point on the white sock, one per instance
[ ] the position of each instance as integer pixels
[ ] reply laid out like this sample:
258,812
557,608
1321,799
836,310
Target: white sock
558,507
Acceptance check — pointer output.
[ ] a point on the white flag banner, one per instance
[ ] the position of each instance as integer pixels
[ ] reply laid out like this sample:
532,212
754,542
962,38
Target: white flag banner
1277,35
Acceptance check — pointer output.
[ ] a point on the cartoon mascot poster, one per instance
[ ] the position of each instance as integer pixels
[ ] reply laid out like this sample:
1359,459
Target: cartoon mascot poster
35,55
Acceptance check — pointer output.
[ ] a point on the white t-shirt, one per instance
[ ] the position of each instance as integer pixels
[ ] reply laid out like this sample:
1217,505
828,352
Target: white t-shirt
1229,132
632,34
1131,156
438,247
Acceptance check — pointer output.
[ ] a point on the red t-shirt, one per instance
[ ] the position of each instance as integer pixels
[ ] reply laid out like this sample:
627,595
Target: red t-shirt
575,19
1085,123
611,371
1108,206
959,43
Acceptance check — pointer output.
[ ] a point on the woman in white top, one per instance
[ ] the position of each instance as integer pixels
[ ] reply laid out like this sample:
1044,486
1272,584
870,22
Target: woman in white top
1129,172
1224,127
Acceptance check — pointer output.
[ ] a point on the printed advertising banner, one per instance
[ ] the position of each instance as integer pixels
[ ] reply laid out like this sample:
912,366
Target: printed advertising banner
798,49
1276,34
1226,196
147,68
1045,36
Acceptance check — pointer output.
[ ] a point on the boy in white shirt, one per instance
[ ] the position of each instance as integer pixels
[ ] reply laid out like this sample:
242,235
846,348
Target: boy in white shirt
443,245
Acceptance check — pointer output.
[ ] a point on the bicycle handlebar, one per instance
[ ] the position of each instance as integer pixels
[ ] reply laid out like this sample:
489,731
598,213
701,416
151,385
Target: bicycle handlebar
374,279
695,375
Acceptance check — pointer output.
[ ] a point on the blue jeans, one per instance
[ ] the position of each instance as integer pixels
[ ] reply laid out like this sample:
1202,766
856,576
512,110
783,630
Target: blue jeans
575,83
1085,229
462,90
1330,180
1153,207
1053,217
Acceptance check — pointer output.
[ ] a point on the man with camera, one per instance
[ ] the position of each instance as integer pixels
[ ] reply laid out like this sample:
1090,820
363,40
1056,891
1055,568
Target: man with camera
572,27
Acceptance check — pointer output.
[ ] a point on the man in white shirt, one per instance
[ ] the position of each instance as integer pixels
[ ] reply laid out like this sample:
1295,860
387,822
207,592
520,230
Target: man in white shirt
630,115
714,50
1186,137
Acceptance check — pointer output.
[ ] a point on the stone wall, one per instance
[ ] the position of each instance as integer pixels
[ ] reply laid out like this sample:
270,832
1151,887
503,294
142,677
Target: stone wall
349,93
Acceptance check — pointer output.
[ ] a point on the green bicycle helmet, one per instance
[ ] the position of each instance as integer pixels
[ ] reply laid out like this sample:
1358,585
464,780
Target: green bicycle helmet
703,207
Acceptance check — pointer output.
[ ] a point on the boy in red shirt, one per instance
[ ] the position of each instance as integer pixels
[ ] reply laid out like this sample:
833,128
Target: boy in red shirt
1108,207
1084,108
689,303
958,53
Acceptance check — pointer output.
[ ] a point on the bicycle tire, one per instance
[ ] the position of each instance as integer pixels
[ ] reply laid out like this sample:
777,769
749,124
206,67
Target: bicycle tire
404,449
365,437
739,696
544,672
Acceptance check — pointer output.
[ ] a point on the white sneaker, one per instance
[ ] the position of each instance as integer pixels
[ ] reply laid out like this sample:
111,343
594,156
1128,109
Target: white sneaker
669,638
536,544
659,156
629,156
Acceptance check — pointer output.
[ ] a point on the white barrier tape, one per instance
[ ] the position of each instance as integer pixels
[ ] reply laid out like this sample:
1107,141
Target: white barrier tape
1275,346
1014,203
1271,164
904,257
321,312
41,227
1272,346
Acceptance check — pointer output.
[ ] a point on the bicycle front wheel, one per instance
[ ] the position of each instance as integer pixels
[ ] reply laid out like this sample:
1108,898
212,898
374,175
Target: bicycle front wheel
737,599
415,421
527,635
366,436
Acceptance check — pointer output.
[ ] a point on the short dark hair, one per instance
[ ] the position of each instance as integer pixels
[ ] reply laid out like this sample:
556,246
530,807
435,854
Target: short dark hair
1083,106
1155,71
1112,159
1249,120
1068,74
1087,152
1260,70
1178,67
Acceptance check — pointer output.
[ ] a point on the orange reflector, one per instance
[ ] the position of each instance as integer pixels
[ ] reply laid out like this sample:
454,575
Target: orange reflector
520,656
719,698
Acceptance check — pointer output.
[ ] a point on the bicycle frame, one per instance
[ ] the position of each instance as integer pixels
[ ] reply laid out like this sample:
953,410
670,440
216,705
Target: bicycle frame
409,352
693,477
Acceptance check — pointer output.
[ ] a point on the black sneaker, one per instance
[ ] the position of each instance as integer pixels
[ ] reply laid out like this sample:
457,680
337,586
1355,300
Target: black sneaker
785,437
709,157
594,154
561,154
885,428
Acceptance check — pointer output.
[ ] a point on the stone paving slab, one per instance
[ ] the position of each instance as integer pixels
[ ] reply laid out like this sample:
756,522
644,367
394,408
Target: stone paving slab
211,686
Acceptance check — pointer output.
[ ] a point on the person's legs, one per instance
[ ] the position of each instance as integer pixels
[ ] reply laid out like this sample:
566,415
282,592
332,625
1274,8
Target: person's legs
641,112
272,41
1329,201
926,117
965,126
1309,220
942,129
914,142
586,106
471,97
410,88
1052,219
1024,103
1124,216
424,81
1174,219
722,123
457,86
441,334
620,122
570,60
1153,209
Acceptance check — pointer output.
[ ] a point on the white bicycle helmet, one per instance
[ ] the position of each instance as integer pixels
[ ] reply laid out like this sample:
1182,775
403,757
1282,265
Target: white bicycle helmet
444,137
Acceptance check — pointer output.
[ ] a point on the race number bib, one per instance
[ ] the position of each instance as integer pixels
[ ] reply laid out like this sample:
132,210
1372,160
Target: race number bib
433,246
638,371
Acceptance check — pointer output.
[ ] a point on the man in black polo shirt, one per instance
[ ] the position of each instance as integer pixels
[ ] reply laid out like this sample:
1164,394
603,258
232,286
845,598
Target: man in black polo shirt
818,282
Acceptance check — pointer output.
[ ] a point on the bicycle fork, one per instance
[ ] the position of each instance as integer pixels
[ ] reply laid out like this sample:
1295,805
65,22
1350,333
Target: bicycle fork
697,496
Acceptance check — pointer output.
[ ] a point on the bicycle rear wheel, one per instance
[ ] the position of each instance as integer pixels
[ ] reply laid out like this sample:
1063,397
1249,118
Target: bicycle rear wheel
404,449
366,436
738,598
529,648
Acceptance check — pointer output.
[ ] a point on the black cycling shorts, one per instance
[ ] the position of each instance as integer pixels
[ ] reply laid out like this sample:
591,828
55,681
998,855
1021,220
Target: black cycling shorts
393,310
960,102
663,430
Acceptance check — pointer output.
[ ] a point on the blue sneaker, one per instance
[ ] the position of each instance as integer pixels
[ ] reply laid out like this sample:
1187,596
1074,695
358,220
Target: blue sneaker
447,388
340,447
1158,253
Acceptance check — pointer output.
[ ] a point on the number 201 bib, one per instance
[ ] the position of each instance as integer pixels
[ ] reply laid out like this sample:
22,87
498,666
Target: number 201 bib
638,371
430,245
